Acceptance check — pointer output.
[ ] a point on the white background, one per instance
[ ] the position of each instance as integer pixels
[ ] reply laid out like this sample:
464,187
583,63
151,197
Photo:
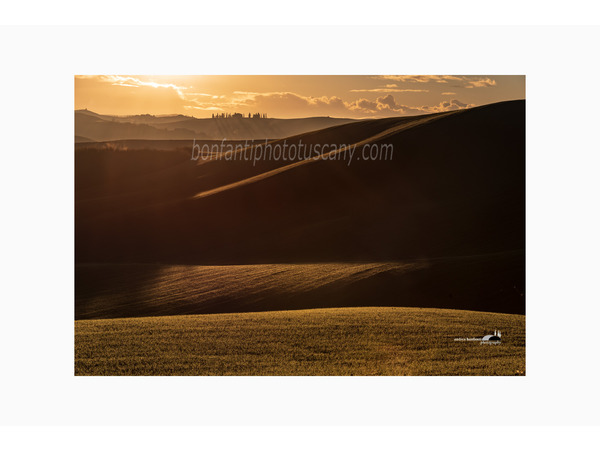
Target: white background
36,333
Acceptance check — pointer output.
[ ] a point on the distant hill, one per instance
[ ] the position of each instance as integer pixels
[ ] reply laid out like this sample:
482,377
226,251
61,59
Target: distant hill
82,139
97,127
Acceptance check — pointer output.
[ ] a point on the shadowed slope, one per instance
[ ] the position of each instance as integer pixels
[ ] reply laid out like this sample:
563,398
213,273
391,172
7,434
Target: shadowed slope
455,186
452,196
340,153
483,283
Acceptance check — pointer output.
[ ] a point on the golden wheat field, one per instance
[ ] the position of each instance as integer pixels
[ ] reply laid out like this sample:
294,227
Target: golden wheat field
335,341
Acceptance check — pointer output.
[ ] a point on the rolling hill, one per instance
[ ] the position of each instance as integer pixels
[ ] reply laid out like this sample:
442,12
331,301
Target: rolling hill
346,341
455,187
451,198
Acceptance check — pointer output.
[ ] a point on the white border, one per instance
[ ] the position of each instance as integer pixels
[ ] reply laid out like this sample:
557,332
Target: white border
379,13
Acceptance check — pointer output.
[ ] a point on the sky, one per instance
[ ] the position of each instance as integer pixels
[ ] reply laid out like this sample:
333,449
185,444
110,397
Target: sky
291,96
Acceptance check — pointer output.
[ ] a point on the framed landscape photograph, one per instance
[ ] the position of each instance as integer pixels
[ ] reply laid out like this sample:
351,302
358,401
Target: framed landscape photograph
299,225
317,226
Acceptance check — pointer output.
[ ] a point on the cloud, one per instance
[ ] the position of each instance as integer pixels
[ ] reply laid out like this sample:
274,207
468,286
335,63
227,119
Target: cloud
364,105
277,103
421,78
134,82
287,103
128,81
451,105
466,81
388,89
483,82
387,104
388,101
205,107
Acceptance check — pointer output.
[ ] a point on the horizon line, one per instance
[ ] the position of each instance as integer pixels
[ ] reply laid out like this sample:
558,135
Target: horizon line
283,118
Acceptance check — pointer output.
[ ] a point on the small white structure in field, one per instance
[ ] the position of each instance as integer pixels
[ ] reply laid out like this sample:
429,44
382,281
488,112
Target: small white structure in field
495,338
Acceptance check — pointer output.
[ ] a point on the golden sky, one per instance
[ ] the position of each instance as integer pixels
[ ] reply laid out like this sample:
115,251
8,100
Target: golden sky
288,96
